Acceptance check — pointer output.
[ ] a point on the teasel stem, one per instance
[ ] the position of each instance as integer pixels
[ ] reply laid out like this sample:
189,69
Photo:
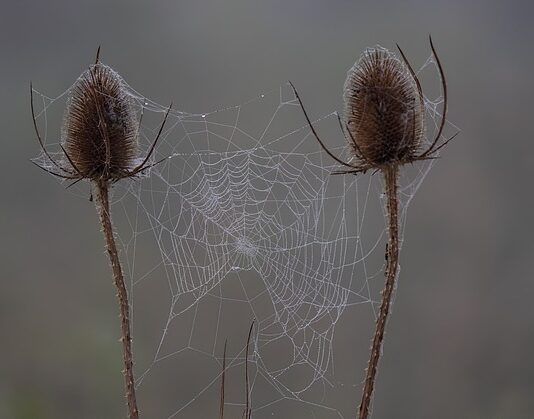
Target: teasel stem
390,173
102,204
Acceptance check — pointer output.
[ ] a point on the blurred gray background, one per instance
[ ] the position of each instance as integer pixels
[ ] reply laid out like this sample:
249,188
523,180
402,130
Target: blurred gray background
461,338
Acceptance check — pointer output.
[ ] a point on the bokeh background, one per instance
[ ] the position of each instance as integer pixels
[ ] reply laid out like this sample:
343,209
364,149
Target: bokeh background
461,338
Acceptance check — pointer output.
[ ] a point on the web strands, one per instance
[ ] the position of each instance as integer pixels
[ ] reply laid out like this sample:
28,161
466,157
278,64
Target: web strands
254,217
232,210
250,204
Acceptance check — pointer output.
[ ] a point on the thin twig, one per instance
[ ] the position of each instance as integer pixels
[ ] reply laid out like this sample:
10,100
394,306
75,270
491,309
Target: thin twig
223,376
247,414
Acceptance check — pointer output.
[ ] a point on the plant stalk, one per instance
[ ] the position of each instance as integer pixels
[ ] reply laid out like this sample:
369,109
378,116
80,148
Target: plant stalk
102,204
392,262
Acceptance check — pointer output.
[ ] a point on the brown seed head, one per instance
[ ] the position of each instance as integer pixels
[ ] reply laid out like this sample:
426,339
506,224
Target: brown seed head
100,127
384,111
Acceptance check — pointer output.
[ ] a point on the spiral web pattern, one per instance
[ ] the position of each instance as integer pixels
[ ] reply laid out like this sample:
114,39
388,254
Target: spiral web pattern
241,221
243,224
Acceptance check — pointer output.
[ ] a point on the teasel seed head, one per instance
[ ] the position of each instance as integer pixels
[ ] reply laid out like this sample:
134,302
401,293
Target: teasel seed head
100,128
383,109
100,131
384,114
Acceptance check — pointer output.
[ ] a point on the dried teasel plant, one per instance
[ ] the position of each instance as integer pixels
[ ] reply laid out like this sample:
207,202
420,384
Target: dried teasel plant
100,144
384,124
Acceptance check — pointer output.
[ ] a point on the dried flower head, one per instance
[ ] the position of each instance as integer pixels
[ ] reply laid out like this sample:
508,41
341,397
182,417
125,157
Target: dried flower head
100,130
100,125
384,113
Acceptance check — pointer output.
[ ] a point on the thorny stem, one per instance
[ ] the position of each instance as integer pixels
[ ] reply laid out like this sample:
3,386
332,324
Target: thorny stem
102,204
392,262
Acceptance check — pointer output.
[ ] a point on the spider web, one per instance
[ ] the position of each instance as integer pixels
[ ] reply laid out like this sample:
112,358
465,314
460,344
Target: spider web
243,224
